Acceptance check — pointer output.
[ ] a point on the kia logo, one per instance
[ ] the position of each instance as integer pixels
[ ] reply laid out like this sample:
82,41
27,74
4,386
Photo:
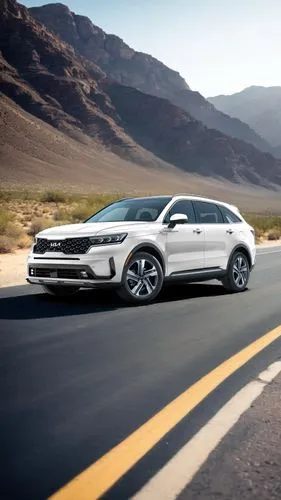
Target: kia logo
55,244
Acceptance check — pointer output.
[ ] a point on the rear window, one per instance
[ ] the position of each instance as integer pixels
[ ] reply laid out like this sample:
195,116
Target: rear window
228,216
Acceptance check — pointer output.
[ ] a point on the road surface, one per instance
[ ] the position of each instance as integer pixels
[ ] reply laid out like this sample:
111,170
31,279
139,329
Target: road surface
79,376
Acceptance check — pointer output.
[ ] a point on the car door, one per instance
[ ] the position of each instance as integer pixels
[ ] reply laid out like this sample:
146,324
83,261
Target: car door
217,243
184,242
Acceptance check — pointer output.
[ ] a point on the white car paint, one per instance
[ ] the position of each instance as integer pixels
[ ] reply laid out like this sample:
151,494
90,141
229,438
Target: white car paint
187,247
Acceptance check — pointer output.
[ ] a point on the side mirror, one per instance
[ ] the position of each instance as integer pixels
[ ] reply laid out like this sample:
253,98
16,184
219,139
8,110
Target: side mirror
177,219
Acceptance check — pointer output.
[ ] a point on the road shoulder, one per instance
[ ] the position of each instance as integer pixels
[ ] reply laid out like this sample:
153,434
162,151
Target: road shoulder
247,463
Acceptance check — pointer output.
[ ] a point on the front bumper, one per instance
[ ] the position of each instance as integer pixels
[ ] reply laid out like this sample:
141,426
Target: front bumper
68,274
103,265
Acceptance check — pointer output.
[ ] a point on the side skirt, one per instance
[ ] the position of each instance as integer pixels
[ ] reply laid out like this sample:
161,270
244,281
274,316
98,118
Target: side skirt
197,275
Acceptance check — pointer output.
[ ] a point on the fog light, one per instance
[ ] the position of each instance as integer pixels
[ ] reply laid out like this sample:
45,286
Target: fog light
83,274
31,271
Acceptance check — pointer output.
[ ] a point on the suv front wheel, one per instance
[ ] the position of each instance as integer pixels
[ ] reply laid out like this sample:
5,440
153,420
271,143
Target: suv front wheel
238,273
142,279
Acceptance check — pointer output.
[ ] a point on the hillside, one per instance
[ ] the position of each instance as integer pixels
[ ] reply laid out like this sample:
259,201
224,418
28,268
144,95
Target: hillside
46,78
260,107
136,69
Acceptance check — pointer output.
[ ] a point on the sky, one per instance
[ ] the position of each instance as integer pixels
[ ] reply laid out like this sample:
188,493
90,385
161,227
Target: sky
218,46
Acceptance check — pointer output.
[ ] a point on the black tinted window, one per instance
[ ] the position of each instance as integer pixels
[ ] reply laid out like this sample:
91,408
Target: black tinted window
229,217
181,207
207,213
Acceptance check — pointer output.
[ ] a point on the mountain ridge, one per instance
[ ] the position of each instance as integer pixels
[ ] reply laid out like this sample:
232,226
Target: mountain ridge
139,70
45,77
258,106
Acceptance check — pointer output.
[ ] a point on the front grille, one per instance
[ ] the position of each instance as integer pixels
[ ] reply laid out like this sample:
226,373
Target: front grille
69,246
63,273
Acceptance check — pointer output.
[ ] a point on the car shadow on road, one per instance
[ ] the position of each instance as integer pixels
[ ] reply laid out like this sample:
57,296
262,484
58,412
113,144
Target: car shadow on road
41,305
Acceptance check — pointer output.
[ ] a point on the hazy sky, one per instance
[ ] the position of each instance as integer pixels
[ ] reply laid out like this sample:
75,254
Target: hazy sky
218,46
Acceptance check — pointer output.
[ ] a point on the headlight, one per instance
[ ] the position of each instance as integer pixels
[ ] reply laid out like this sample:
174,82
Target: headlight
108,239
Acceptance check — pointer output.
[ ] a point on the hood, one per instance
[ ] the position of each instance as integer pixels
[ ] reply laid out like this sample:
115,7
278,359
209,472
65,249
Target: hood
94,228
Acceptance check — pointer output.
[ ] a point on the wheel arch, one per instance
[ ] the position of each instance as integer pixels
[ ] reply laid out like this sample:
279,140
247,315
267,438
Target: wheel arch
243,249
153,250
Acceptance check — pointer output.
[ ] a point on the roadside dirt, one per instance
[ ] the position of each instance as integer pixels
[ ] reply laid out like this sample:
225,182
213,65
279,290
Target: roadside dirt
13,268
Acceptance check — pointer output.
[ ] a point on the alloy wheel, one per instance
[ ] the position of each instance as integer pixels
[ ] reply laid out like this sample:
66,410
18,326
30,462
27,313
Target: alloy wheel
240,271
142,278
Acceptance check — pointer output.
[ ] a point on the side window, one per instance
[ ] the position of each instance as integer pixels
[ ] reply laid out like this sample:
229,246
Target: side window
207,213
229,217
181,207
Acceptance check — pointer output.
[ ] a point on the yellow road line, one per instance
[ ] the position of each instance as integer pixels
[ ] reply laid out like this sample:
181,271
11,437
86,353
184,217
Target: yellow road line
103,474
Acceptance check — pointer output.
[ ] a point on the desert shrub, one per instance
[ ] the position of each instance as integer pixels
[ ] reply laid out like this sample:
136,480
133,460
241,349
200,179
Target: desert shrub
80,213
264,223
24,241
61,215
38,225
53,197
6,244
13,230
274,234
259,233
5,219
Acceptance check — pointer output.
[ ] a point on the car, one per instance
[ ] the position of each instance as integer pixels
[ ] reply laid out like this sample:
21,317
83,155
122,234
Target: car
138,244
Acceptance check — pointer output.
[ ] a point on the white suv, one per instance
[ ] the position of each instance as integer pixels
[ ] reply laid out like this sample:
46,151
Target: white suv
137,244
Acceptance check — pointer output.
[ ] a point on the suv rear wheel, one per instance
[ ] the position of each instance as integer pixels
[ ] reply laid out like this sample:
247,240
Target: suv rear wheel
238,273
60,291
142,279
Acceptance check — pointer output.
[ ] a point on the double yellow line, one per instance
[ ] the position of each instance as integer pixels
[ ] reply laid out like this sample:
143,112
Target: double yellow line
93,482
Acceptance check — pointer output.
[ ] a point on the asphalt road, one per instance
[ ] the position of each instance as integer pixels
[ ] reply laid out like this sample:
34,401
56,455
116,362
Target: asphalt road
78,376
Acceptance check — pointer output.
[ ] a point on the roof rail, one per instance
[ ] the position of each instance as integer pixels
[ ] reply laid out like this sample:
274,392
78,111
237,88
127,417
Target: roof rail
197,195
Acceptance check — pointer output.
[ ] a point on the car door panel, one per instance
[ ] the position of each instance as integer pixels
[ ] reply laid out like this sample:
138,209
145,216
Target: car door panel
185,248
185,242
216,248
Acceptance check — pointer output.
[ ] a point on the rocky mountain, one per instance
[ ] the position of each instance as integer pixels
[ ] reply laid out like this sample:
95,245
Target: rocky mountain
138,70
45,77
260,107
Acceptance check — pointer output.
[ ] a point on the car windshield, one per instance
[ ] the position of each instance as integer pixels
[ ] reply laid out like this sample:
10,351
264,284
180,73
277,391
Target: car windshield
133,209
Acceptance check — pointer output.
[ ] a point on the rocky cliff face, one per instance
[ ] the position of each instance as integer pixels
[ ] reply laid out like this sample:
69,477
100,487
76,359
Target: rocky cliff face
138,70
46,77
117,59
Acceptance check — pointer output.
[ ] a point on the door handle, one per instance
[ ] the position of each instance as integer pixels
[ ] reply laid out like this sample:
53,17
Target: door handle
197,230
229,231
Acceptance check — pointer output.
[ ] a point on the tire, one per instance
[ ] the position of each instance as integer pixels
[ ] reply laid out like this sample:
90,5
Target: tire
142,279
60,291
238,273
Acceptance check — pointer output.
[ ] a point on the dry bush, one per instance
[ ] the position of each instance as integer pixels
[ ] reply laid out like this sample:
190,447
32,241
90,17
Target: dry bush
61,215
53,197
13,231
81,212
5,219
274,234
38,225
24,241
6,244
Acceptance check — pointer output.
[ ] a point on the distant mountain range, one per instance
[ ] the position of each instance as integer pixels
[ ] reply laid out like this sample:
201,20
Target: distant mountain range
136,69
259,107
51,80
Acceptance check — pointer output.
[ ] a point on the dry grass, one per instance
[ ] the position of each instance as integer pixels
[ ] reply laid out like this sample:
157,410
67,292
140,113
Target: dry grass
6,244
24,213
274,234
